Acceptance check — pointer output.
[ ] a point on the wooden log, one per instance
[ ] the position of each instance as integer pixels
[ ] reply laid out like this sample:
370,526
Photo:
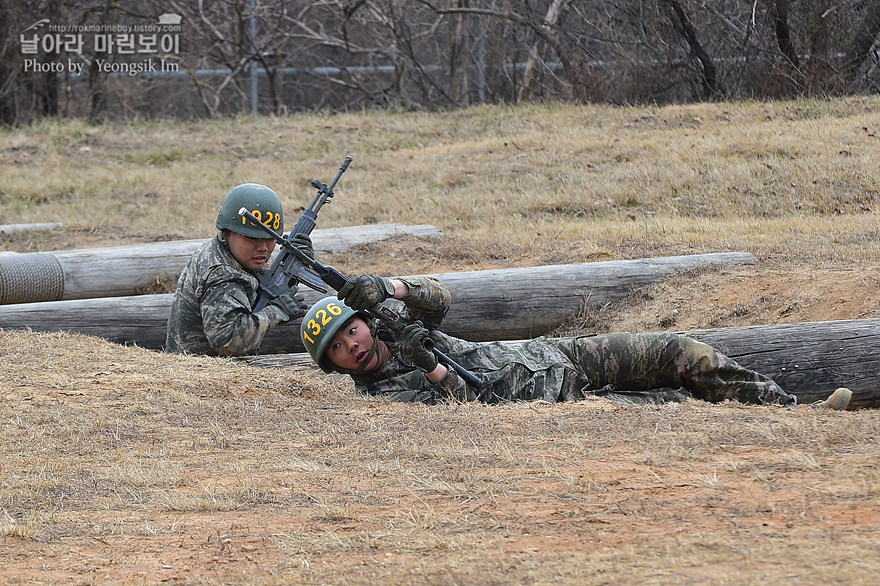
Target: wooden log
125,270
808,360
510,304
500,304
39,226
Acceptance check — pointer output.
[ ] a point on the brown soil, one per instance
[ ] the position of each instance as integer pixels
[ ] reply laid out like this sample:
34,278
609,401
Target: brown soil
767,293
121,465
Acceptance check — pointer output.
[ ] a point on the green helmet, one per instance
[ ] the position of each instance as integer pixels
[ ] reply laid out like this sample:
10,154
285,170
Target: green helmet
260,201
320,324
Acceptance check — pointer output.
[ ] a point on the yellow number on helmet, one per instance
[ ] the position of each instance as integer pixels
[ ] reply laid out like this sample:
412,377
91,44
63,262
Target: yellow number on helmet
320,325
257,213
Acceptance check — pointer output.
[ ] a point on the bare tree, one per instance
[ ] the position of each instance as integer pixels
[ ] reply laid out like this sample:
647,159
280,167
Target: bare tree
282,55
23,91
553,13
682,22
218,35
858,49
10,64
783,32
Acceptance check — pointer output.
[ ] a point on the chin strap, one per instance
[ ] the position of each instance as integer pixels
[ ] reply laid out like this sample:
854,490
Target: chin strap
374,350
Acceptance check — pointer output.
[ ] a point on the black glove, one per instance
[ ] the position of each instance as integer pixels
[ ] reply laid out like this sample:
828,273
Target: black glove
303,243
412,346
292,303
365,291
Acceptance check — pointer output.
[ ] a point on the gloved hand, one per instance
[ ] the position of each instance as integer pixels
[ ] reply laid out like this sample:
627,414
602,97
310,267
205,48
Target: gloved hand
303,242
292,303
365,291
412,346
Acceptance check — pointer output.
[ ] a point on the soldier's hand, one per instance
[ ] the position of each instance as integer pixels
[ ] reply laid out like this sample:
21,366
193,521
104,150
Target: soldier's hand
303,243
365,291
412,346
292,303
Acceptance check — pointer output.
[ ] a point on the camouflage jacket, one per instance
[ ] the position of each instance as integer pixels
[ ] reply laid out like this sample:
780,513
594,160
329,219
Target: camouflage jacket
211,312
624,367
535,369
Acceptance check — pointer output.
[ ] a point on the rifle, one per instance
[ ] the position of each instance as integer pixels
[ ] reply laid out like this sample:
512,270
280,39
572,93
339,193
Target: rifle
287,269
336,280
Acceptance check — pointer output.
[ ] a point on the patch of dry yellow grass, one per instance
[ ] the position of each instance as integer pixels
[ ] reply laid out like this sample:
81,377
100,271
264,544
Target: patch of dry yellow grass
125,464
522,185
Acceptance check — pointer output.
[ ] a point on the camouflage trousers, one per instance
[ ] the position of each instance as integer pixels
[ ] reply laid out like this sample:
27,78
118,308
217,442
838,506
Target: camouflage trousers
663,367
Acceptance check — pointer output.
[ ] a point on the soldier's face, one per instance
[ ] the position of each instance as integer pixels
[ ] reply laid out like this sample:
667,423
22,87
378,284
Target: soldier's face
252,253
351,346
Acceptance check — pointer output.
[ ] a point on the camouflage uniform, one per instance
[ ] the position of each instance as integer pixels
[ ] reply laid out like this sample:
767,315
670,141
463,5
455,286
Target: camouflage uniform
632,368
211,312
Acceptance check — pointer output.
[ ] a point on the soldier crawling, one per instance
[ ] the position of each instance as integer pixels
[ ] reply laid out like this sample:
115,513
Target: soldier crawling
212,312
624,367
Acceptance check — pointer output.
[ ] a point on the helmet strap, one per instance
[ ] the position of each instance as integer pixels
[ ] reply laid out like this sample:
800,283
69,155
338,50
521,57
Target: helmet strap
375,350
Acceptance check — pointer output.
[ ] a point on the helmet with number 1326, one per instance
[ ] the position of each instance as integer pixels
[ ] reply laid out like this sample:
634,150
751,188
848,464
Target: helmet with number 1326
320,324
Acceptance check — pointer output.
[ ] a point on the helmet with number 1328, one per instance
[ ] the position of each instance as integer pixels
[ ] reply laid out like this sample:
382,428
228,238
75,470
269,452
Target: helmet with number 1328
260,201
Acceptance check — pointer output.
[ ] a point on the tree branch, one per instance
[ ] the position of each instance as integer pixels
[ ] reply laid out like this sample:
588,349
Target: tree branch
686,28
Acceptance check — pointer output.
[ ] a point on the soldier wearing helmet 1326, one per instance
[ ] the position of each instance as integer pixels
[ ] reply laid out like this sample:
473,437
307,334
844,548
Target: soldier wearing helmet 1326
212,312
624,367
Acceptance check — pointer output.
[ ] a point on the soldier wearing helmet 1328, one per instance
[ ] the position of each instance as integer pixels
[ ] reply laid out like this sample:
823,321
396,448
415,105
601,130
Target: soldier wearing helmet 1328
624,367
212,312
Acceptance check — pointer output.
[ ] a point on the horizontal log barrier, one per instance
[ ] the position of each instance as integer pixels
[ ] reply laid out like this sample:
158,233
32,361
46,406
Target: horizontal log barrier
37,227
499,304
125,270
808,360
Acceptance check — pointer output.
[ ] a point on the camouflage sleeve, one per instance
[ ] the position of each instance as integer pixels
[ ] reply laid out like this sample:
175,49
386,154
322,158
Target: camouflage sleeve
230,326
414,387
407,386
428,300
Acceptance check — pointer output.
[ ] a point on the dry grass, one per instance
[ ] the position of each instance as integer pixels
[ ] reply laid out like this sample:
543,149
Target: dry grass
515,186
122,465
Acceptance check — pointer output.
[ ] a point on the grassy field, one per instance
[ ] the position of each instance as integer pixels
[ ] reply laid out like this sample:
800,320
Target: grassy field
123,465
